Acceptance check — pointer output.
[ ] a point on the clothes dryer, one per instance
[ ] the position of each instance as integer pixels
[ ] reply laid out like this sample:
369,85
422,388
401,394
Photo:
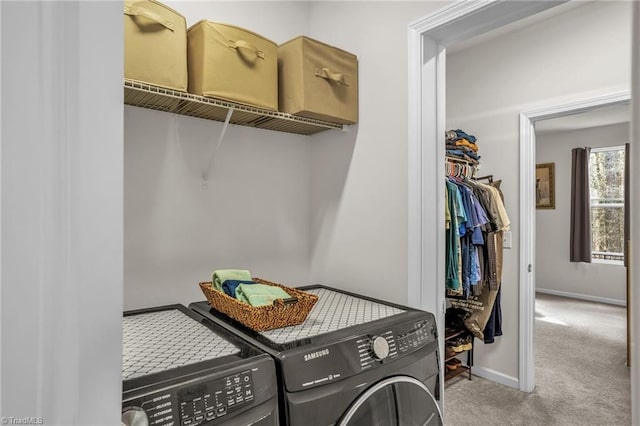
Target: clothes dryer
354,361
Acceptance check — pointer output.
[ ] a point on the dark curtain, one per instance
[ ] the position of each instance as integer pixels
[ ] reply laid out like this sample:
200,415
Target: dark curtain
580,244
627,209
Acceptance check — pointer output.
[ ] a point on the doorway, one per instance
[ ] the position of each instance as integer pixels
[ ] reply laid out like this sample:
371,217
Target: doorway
581,324
528,120
429,39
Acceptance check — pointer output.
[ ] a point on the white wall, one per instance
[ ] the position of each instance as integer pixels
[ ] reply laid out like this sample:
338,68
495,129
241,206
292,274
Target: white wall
61,197
554,270
359,180
254,213
278,21
332,207
544,64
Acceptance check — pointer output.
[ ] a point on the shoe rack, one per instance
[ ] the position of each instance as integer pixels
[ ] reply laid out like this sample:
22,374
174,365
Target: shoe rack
457,341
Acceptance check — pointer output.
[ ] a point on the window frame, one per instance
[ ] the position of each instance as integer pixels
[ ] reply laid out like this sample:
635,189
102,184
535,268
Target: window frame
608,205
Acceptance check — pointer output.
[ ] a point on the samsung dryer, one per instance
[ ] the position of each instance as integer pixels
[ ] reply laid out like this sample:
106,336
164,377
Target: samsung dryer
354,361
180,369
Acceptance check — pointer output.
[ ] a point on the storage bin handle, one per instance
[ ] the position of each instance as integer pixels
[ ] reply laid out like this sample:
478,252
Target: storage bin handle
139,10
241,44
338,77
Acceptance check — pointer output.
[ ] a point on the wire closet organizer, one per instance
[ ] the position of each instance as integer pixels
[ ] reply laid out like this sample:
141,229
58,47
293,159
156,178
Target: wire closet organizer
460,168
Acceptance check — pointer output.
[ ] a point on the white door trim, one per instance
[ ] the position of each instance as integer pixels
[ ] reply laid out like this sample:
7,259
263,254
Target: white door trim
527,221
634,303
427,41
1,411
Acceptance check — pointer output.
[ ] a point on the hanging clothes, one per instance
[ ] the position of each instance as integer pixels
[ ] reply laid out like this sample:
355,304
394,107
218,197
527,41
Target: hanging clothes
476,264
476,219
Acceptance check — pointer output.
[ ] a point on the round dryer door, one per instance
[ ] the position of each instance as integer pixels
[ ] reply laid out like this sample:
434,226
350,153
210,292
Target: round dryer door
395,401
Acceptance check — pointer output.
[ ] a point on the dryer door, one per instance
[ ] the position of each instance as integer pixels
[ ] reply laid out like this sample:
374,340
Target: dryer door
394,401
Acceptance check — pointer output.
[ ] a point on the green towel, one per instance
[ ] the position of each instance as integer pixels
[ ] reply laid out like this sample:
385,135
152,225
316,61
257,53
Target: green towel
259,294
221,275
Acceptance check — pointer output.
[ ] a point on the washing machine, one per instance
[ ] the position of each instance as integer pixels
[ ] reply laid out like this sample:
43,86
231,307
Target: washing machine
354,361
180,369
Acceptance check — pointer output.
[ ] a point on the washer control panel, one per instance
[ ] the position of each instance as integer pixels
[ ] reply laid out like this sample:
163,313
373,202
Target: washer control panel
192,405
209,401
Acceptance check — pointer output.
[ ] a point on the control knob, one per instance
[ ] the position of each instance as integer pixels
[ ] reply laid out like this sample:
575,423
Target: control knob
380,347
134,416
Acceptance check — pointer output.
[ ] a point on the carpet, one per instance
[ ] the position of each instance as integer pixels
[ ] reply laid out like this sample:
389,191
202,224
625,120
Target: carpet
581,375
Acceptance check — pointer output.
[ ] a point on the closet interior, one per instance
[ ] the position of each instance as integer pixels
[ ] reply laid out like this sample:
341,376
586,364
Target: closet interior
475,222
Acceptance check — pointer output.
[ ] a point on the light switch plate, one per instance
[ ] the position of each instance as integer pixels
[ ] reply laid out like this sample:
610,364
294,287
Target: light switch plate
506,239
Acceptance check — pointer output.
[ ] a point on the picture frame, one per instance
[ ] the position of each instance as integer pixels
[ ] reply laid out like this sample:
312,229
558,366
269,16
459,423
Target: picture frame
545,186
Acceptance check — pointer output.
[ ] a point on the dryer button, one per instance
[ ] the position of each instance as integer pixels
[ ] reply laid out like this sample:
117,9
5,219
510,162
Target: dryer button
380,348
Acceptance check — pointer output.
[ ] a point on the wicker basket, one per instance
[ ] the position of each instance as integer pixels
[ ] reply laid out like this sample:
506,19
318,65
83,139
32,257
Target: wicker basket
261,318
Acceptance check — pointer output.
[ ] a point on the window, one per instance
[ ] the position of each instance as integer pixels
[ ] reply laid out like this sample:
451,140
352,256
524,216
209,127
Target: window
606,191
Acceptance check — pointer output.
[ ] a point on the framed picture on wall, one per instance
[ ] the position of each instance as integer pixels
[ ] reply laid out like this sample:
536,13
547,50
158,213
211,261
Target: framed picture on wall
545,186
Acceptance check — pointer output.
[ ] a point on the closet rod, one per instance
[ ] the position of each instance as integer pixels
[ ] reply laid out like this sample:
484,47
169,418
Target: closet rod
460,168
458,160
488,177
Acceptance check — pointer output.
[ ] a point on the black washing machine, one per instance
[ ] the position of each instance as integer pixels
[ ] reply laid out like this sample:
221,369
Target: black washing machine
180,369
354,361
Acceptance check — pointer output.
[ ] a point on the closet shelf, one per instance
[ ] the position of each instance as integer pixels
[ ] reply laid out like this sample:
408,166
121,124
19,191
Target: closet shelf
450,374
451,333
158,98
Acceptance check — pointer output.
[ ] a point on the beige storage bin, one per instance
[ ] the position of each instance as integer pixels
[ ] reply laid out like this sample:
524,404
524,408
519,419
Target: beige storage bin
231,63
318,81
155,48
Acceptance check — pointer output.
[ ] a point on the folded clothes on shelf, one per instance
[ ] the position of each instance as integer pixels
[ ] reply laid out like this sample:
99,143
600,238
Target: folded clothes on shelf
464,149
452,135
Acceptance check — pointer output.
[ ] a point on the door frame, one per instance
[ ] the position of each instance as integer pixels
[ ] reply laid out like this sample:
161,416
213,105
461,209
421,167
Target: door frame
427,41
428,38
527,246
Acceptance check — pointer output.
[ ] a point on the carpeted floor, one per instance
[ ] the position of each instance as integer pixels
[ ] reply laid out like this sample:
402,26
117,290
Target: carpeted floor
581,376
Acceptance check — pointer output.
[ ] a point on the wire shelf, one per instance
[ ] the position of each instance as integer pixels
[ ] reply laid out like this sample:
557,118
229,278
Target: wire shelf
148,96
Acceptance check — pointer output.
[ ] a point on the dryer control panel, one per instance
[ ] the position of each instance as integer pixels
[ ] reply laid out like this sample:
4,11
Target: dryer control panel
421,334
322,364
375,348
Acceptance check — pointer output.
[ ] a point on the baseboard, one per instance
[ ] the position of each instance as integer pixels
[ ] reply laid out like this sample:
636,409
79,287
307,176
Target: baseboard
494,376
582,297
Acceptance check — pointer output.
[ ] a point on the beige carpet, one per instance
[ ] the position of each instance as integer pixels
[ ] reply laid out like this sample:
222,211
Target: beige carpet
581,376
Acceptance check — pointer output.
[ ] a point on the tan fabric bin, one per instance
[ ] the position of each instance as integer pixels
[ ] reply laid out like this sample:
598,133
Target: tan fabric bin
155,44
232,63
318,81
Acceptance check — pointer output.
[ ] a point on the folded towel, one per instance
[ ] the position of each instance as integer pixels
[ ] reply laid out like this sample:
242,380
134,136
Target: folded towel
221,275
229,286
260,294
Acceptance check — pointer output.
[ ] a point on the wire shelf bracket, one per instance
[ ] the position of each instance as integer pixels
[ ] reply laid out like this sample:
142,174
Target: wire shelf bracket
207,170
